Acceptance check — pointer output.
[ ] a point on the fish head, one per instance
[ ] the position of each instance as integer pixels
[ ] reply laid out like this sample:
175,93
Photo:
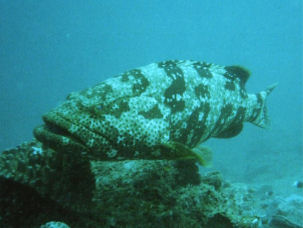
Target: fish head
83,121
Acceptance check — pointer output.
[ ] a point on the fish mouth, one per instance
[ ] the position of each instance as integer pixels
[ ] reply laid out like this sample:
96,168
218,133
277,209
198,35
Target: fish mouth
55,133
59,130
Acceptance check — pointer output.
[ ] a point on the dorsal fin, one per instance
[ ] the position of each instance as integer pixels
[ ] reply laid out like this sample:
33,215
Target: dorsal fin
237,72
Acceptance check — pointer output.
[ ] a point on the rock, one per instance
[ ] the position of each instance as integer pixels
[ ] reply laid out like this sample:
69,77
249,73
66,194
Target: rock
54,225
141,193
289,212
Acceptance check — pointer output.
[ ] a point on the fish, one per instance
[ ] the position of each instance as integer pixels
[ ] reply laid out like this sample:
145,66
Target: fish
163,110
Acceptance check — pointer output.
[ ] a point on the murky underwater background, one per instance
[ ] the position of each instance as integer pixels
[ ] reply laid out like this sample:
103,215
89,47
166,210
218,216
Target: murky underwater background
51,48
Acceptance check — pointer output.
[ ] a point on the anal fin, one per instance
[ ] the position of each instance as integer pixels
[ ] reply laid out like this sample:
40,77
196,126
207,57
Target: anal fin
231,131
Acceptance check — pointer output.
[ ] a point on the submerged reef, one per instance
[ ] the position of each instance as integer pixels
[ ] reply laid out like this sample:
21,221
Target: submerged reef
42,188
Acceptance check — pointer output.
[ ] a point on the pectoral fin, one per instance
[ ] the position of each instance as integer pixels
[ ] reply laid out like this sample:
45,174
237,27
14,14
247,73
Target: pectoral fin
180,151
203,155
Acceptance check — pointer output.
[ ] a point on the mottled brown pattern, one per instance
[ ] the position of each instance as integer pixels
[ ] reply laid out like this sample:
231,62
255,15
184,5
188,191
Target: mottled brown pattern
130,115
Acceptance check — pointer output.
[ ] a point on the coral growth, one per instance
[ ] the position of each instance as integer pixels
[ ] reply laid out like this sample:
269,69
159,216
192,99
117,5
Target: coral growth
67,187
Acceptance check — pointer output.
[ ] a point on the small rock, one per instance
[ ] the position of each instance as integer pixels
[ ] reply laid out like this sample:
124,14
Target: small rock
54,225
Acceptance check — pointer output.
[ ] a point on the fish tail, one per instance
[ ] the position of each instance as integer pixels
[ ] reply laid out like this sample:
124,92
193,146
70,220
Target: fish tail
261,117
270,88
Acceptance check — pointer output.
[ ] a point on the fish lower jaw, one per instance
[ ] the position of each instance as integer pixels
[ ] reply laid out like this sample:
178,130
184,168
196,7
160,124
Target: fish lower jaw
57,138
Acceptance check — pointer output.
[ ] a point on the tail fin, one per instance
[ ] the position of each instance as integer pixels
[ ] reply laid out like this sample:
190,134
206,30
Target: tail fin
270,88
262,119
